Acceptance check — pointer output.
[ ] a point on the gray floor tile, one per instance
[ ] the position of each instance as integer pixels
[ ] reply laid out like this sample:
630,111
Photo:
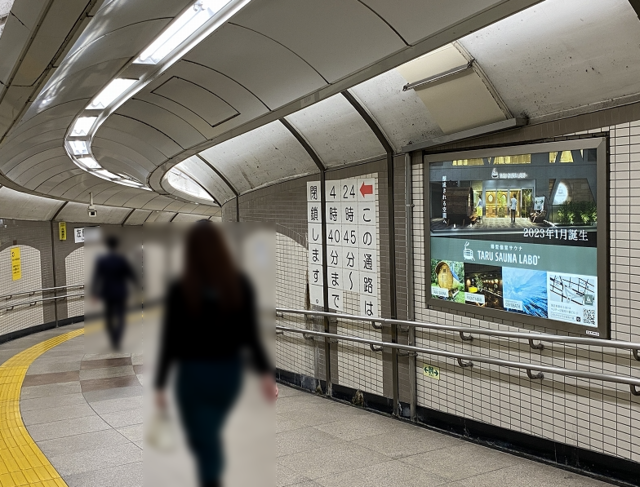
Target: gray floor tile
127,417
133,433
87,460
59,413
51,402
49,390
108,372
354,428
390,474
462,461
52,366
406,440
69,427
116,393
529,474
304,439
286,477
85,441
120,404
129,475
334,459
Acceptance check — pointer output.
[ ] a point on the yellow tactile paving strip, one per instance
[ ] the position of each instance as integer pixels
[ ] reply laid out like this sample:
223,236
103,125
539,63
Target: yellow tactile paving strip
21,461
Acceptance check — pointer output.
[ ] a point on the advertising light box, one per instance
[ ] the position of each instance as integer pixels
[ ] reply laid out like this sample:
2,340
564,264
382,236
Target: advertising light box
520,233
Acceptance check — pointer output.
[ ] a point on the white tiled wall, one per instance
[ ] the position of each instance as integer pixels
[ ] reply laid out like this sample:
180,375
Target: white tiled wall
24,316
293,352
74,267
589,414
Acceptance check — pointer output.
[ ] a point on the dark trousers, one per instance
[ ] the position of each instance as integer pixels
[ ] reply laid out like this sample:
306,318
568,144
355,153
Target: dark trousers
206,392
114,317
513,216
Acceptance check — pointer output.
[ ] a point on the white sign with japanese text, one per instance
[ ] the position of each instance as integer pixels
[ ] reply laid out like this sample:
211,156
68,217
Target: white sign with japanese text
351,243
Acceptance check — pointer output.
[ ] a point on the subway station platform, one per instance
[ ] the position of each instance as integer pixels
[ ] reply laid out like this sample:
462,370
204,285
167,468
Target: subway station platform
76,419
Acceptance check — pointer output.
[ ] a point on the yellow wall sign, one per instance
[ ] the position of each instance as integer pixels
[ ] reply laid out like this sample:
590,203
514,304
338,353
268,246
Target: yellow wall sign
16,264
62,228
431,371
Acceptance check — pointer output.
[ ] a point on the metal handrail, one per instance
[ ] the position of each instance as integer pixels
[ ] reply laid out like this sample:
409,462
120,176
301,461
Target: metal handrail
33,302
463,331
7,297
465,360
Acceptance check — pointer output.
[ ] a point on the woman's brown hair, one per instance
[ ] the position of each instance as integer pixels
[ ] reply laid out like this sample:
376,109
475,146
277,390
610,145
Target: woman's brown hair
209,266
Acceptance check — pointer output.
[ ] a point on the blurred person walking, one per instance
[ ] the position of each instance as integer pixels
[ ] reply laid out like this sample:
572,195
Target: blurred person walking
210,319
110,283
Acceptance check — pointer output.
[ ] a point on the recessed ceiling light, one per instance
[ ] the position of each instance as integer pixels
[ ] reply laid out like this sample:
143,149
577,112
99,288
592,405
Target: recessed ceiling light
89,162
83,126
78,147
180,29
111,93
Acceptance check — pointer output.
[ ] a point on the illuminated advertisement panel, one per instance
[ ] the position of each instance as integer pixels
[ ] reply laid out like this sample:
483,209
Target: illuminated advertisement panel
521,233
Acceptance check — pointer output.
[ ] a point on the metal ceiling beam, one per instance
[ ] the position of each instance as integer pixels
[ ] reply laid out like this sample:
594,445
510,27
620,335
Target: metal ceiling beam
127,217
227,182
375,128
53,218
306,146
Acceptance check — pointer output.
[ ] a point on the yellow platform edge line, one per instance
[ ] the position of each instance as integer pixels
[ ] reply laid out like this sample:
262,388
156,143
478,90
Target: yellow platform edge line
22,463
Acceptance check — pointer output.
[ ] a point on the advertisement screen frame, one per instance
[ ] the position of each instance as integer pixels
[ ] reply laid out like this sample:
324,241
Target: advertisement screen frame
601,144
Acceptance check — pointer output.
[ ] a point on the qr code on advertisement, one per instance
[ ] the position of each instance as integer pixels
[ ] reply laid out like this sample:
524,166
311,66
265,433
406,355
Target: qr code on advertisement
589,316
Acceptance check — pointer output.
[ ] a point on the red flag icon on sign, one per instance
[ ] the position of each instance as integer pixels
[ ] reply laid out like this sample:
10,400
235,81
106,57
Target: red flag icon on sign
366,189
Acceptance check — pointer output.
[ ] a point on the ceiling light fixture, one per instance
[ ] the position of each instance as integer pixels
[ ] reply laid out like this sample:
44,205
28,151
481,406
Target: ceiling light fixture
78,147
83,126
180,30
89,163
190,28
111,93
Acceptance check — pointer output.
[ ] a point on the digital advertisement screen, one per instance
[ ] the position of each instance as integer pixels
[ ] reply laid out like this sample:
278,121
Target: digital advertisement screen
517,231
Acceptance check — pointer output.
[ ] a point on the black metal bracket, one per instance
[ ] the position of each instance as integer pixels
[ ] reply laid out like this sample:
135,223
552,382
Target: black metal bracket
376,348
634,390
464,364
536,346
466,338
636,354
531,376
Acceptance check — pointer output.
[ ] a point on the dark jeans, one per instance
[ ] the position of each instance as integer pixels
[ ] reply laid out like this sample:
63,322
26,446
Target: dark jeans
206,391
513,216
114,317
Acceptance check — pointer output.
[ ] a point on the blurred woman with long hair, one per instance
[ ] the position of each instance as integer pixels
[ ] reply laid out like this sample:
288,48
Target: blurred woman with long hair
210,319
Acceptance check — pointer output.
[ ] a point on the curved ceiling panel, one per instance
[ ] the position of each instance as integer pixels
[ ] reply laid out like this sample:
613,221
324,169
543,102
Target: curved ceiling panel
77,212
561,55
269,153
402,115
267,67
146,134
164,121
115,15
22,206
337,133
138,217
426,16
208,178
323,33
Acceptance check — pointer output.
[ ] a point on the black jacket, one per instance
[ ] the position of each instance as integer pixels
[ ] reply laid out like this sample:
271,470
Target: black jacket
111,277
214,334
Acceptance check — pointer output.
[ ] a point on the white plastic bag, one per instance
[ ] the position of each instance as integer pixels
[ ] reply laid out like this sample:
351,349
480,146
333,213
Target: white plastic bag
160,433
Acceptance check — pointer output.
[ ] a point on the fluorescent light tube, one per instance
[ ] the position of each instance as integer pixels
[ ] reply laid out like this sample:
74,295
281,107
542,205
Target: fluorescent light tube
127,182
89,162
106,174
78,147
180,30
111,93
83,126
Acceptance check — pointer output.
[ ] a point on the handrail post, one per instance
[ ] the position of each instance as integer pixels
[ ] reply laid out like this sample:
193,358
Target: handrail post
411,332
55,280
